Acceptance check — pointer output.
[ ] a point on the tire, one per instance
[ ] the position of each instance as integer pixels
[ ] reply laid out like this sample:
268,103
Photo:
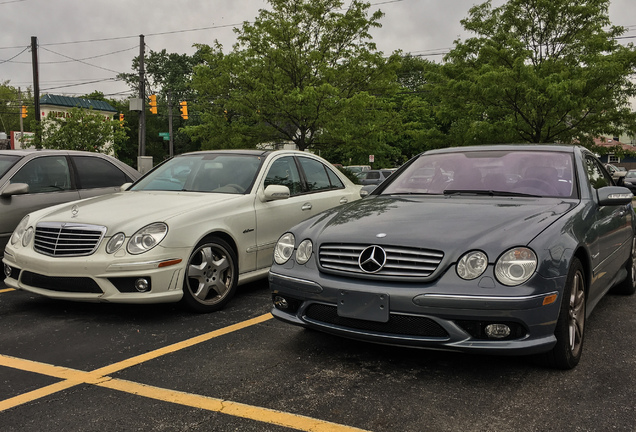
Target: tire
570,327
211,276
628,286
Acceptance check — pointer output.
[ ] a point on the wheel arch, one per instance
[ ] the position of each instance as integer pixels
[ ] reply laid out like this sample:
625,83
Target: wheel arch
586,261
223,236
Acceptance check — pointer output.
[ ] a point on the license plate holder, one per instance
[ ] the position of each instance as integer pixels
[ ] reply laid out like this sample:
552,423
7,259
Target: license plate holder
363,305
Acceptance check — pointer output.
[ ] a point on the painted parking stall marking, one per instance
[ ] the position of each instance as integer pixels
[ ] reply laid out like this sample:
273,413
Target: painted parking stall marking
99,377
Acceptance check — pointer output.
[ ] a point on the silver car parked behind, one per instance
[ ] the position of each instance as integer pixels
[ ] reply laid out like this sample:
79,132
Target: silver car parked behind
35,179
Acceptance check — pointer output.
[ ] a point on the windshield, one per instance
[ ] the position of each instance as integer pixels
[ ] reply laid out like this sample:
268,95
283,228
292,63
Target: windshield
495,172
6,162
630,174
214,172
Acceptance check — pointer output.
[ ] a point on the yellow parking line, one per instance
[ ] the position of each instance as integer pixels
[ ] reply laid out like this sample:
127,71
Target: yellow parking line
133,361
99,377
35,394
73,377
235,409
6,290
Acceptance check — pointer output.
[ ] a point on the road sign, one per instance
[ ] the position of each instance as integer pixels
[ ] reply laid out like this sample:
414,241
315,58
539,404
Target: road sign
164,134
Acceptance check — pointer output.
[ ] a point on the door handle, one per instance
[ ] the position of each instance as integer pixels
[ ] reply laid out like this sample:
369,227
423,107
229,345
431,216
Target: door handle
344,200
306,206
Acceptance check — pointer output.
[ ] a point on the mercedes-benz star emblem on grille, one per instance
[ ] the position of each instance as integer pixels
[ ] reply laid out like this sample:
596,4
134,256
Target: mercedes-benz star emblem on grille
74,210
372,259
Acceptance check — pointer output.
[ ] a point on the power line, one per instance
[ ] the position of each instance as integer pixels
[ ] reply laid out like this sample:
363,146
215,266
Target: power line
80,61
9,60
77,60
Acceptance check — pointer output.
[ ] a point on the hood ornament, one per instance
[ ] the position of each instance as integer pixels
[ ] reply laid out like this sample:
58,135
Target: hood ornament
74,211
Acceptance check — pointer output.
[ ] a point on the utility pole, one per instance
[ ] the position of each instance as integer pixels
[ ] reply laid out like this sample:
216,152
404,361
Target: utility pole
36,91
171,145
142,96
21,119
36,77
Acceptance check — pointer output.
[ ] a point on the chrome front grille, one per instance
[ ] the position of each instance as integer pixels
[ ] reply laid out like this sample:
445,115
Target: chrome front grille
67,239
402,263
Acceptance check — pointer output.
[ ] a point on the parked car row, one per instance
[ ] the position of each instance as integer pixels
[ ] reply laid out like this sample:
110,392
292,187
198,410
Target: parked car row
491,249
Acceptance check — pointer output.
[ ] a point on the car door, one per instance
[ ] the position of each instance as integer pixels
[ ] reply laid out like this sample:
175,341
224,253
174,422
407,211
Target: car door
273,218
50,183
325,189
313,187
611,228
97,176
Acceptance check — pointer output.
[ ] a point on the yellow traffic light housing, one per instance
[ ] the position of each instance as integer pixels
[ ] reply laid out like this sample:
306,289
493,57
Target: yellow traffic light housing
23,111
153,104
121,120
184,109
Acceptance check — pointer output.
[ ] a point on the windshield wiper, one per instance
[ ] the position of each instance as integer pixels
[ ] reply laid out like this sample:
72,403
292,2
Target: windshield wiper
488,193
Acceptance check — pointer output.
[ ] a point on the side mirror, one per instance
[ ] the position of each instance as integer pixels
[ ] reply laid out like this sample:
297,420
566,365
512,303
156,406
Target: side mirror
15,189
125,187
614,196
276,192
366,190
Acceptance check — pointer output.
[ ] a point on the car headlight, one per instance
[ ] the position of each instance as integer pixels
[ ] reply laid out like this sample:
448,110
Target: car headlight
472,265
28,236
147,238
115,243
19,231
303,253
284,248
516,266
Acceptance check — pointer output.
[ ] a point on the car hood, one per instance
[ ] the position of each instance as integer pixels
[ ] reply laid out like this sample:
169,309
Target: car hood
132,208
453,225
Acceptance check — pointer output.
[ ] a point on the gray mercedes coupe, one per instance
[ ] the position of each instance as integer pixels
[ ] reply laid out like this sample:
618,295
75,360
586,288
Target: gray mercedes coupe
489,249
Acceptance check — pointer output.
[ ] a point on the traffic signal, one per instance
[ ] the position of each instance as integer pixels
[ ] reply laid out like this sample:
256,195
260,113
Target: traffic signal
184,109
24,111
121,120
153,104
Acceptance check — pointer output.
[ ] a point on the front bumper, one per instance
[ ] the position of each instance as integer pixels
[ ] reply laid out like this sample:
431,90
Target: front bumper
99,277
436,315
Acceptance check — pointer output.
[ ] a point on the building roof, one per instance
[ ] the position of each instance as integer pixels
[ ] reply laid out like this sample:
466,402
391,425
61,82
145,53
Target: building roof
70,102
609,142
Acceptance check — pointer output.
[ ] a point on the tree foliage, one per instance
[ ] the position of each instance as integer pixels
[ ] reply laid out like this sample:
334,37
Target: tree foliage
305,71
82,129
11,99
538,71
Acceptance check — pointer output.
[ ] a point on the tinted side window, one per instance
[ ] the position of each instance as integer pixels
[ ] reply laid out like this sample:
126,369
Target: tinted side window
336,183
98,173
285,173
45,174
373,175
597,176
315,174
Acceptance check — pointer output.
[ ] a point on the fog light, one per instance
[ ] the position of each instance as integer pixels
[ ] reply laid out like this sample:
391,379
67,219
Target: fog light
141,285
7,270
280,302
497,331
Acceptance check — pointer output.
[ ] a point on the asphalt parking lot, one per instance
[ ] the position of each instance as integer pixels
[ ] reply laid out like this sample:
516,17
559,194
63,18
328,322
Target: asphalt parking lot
92,367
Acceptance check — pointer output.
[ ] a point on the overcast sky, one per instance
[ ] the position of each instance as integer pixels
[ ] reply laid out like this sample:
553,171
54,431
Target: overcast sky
83,44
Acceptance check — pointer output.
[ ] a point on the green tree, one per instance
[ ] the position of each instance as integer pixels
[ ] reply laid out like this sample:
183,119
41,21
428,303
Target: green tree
11,100
538,71
305,71
168,76
84,130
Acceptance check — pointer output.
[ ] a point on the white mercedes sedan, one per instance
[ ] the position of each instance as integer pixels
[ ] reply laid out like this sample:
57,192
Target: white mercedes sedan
192,230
